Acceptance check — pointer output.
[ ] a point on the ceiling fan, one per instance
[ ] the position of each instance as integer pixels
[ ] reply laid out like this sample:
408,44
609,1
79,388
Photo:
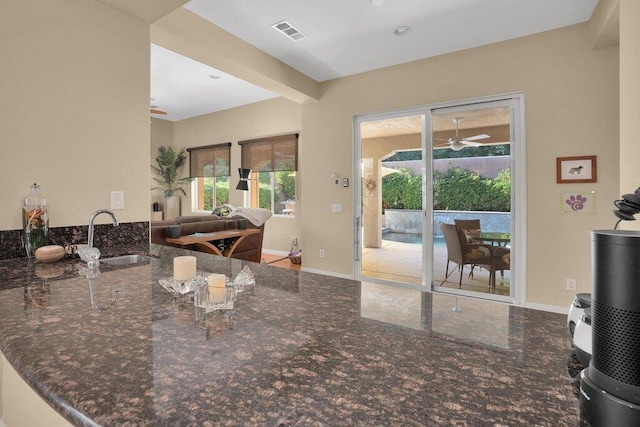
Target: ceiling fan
457,142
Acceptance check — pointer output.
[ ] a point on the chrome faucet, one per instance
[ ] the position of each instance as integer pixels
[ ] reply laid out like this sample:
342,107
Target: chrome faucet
93,217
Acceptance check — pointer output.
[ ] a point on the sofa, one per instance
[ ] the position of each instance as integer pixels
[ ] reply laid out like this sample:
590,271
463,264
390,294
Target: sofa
250,249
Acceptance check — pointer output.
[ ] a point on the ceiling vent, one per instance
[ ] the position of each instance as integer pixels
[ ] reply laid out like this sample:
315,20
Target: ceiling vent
288,30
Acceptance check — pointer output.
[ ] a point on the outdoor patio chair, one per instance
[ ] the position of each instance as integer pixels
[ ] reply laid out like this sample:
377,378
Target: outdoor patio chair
470,227
462,253
501,261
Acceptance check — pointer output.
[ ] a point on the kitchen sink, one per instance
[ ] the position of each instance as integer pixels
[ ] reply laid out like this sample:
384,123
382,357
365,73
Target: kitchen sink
126,260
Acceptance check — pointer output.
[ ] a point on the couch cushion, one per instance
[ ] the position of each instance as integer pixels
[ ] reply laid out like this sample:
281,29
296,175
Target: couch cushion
193,218
201,227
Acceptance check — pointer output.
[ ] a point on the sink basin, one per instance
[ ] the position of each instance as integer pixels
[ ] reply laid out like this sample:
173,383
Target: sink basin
126,260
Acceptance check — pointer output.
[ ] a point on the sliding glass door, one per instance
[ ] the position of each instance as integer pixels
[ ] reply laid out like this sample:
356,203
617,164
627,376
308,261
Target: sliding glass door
473,149
389,235
441,202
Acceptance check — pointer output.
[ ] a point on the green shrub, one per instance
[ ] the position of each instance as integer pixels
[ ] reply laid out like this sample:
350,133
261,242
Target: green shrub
222,192
402,190
463,190
456,189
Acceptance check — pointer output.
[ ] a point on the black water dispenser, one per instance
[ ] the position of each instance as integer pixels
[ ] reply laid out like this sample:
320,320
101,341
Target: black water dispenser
610,386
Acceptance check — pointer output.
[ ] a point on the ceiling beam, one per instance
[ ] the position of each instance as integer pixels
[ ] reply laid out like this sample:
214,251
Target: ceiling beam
605,24
148,11
190,35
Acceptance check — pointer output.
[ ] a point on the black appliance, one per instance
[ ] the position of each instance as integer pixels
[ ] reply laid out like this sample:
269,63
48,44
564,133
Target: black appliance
610,386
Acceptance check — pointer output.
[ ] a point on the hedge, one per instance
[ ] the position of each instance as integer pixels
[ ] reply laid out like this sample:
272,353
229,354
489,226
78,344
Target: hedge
456,189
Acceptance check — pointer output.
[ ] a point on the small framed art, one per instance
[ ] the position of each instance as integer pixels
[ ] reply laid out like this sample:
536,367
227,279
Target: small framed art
575,170
578,201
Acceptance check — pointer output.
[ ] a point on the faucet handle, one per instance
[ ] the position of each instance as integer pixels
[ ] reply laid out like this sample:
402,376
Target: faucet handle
90,256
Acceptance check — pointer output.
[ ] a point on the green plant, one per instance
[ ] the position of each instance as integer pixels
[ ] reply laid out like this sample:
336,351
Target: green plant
402,190
456,189
463,190
168,166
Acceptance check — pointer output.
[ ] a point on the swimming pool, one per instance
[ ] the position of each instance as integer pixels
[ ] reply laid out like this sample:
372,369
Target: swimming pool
412,238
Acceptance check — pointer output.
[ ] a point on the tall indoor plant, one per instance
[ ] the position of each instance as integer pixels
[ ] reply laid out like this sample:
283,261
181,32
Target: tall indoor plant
168,166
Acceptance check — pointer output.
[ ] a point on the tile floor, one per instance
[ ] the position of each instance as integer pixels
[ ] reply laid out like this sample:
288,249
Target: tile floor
402,262
279,261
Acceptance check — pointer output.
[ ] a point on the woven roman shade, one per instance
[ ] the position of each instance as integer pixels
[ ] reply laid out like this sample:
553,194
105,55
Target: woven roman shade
274,153
212,160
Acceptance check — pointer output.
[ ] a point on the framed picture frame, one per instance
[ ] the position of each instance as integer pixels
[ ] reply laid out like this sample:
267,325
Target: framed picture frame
575,170
578,201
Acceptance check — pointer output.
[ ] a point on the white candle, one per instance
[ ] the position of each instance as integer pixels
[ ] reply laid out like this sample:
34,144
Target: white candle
216,283
184,268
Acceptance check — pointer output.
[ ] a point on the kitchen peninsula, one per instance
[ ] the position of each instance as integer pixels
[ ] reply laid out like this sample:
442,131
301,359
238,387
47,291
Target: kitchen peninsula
299,349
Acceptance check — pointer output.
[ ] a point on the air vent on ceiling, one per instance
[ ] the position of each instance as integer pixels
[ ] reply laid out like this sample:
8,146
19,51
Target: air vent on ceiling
288,30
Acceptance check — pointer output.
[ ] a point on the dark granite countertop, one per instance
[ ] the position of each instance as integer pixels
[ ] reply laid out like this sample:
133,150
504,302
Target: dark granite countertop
300,349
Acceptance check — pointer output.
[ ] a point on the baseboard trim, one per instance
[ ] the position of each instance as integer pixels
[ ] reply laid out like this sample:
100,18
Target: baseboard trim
545,307
272,252
326,273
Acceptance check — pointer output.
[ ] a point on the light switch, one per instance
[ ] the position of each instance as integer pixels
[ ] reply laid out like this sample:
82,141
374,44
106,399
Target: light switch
117,200
336,208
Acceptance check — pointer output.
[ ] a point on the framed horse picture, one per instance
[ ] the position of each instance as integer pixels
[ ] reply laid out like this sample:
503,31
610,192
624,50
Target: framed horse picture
575,170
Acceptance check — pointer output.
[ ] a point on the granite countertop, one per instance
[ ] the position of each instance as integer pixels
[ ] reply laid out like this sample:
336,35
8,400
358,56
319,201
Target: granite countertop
299,349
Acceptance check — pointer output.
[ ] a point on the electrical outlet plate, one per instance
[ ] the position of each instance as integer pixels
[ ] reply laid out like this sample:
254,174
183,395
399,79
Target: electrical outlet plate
117,200
571,284
321,253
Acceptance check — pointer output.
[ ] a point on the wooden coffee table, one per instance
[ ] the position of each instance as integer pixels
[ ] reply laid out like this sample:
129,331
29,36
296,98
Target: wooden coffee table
204,240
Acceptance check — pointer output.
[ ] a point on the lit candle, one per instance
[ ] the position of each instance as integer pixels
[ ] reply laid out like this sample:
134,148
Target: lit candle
216,283
184,268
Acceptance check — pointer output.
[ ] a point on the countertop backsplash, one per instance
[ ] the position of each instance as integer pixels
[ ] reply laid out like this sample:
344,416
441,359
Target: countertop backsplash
125,238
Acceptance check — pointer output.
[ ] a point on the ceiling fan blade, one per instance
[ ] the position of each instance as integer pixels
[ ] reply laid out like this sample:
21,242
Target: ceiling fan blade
476,137
471,143
160,112
444,144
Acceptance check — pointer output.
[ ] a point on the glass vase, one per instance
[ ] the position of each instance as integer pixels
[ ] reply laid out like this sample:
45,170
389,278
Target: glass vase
35,221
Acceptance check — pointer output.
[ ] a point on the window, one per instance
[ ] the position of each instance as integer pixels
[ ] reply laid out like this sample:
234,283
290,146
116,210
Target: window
275,191
210,168
209,192
274,162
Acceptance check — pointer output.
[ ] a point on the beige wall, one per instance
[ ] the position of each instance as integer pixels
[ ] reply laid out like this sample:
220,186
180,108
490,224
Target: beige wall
571,103
74,116
272,117
629,100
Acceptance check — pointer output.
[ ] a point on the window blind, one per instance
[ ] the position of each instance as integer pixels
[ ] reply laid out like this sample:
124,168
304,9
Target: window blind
211,160
270,154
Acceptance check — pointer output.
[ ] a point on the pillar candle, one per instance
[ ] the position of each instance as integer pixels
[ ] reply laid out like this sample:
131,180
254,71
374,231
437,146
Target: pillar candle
184,268
216,284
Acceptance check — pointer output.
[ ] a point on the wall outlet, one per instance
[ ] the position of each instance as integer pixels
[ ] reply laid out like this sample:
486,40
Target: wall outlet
571,284
321,253
294,240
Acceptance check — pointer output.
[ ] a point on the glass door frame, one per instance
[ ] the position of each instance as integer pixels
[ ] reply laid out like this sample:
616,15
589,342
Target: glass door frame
357,193
518,189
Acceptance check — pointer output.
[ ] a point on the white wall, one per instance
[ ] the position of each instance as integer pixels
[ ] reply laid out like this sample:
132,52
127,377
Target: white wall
74,116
